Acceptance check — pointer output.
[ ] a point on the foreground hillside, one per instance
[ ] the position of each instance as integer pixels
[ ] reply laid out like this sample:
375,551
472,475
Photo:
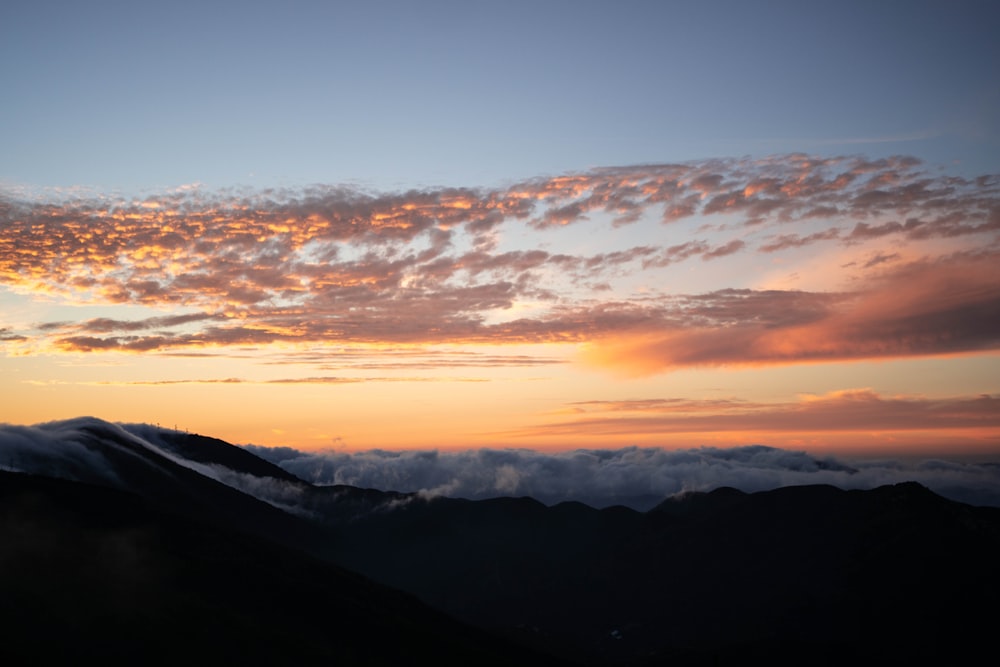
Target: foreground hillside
896,572
167,547
103,576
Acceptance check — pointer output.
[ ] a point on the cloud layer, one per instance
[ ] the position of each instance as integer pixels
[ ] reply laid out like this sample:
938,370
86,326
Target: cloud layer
335,265
94,451
638,477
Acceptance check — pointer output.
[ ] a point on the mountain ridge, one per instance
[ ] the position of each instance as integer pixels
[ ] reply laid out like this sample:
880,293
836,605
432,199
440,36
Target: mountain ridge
79,559
895,572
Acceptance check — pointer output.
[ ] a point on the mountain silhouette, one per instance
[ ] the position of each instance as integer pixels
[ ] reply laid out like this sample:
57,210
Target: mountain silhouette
100,575
180,536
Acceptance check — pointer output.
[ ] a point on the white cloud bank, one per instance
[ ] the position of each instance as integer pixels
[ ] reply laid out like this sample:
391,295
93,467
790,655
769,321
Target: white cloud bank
94,451
90,450
634,476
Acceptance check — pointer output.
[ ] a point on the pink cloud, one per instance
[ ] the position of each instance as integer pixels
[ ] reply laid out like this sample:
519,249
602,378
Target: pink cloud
850,410
334,264
926,308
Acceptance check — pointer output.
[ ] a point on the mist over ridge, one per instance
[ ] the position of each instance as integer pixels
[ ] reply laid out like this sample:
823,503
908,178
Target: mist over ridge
637,477
801,566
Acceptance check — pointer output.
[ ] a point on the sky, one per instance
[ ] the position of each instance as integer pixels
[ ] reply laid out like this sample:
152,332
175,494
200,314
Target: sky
547,225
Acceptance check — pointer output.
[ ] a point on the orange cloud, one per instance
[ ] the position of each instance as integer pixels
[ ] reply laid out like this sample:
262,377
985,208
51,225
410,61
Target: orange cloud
334,264
923,309
850,410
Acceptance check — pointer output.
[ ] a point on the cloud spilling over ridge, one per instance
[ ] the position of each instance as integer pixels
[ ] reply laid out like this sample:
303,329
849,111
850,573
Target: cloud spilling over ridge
90,450
634,476
336,265
57,449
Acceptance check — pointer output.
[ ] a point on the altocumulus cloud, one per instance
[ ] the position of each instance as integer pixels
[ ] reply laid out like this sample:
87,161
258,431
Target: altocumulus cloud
331,264
633,476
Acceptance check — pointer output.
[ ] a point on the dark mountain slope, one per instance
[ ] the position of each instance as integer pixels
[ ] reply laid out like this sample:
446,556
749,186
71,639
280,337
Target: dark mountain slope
896,572
180,489
98,575
100,453
799,574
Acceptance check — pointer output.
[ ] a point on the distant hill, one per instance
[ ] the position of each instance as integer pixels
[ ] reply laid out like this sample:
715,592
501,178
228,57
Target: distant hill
133,544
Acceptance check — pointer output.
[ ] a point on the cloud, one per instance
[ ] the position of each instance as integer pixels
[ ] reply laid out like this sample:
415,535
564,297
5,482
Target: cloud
57,449
408,358
325,379
281,493
338,265
105,325
342,380
848,410
6,334
786,241
639,477
87,449
723,250
94,451
922,308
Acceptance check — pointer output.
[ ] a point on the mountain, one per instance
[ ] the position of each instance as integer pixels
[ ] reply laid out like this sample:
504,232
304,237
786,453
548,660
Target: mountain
100,453
228,546
895,572
99,575
124,552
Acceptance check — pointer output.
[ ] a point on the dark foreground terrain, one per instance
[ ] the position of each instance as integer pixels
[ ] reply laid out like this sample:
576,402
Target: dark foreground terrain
148,557
99,575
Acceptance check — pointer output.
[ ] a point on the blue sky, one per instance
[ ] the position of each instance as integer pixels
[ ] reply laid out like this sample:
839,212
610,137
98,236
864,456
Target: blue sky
132,96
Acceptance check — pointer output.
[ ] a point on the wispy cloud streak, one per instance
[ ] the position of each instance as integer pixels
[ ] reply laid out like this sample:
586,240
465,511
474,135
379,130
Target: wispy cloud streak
847,410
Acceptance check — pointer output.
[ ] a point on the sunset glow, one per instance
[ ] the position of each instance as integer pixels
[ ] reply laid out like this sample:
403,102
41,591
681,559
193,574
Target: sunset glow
837,296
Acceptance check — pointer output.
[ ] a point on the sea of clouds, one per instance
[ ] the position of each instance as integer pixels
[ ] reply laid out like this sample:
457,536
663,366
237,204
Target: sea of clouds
637,477
633,476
